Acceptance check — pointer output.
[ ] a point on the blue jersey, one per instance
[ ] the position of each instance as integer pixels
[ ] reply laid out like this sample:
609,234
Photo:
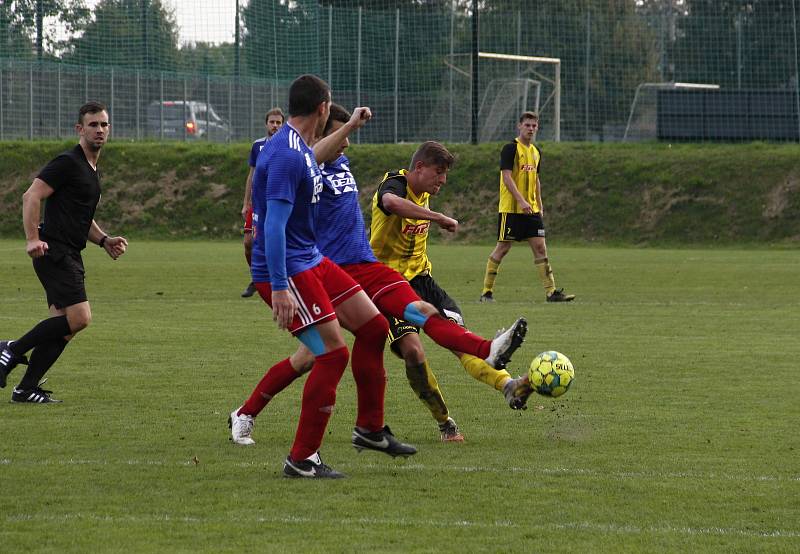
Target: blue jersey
258,144
286,171
341,234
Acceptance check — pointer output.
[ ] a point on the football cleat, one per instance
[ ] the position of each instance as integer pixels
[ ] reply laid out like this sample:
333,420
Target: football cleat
449,431
310,468
505,343
8,361
486,297
241,427
517,392
249,291
36,395
559,296
382,441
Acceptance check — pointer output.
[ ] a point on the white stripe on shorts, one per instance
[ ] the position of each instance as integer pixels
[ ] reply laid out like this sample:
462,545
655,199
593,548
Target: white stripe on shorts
303,311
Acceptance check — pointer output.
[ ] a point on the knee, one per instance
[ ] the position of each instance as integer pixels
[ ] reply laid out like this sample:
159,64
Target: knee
248,240
425,308
302,361
79,322
413,354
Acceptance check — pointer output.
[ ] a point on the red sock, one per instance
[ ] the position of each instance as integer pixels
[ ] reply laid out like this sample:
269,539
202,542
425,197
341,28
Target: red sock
319,397
277,378
452,336
369,373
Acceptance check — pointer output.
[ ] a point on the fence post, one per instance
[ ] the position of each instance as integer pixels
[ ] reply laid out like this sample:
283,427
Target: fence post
796,69
85,83
111,98
330,46
252,112
30,103
358,71
138,105
208,107
450,68
185,107
396,68
230,103
161,106
2,128
587,74
738,26
58,103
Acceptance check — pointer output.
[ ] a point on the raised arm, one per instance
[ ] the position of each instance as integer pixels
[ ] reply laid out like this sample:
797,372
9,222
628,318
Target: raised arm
326,147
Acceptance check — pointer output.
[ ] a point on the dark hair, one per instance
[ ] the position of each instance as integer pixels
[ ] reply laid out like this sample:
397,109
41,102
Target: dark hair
306,93
91,107
338,113
274,111
433,153
528,115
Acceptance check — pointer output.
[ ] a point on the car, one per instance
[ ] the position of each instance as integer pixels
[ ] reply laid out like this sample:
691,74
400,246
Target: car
186,120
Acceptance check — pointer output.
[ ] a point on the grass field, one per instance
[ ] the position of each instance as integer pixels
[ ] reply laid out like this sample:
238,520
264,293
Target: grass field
680,433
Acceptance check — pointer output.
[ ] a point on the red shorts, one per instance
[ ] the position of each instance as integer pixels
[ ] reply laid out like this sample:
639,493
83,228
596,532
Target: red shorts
387,289
248,220
317,291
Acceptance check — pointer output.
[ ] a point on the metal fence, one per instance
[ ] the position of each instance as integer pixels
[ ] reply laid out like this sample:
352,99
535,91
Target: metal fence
413,66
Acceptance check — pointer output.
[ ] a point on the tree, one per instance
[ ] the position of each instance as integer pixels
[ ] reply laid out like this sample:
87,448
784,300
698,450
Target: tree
18,24
736,43
128,33
203,57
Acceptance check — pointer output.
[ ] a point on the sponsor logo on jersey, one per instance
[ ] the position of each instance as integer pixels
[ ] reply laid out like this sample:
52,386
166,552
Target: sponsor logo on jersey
342,182
527,167
418,229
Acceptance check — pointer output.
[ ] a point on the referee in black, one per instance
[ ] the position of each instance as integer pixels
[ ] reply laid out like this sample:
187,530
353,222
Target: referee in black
70,184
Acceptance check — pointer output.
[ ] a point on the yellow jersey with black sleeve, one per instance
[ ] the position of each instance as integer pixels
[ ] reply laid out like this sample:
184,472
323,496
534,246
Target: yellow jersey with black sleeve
523,162
400,242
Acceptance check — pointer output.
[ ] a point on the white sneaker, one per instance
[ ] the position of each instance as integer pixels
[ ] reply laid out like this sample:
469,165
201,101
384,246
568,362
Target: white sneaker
241,428
506,343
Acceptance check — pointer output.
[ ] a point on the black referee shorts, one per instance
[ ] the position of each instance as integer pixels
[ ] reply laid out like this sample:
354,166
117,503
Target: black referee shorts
517,227
62,275
429,291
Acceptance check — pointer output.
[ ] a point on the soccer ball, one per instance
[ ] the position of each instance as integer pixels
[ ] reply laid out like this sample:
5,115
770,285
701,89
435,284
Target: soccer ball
551,373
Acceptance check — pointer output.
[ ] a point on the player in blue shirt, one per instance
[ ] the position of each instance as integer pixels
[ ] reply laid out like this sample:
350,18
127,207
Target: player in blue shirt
306,290
341,236
273,121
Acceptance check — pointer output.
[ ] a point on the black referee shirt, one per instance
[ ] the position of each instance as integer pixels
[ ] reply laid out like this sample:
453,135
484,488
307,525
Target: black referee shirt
69,211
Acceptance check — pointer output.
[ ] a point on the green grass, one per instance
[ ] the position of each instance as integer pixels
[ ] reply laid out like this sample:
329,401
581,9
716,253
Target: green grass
680,433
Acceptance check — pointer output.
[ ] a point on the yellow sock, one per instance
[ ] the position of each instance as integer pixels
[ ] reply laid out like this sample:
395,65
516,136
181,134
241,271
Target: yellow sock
492,267
424,384
483,372
545,275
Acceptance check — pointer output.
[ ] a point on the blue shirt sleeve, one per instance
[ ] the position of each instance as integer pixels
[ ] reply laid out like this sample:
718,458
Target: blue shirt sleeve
284,176
254,150
275,232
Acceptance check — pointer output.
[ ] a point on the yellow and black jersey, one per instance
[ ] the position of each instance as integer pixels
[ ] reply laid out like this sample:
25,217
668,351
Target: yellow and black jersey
523,162
399,242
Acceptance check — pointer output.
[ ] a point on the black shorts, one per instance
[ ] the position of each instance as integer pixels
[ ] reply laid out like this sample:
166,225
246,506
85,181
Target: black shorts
62,275
429,291
518,227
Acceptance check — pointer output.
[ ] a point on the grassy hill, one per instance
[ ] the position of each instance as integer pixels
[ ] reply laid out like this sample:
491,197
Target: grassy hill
619,193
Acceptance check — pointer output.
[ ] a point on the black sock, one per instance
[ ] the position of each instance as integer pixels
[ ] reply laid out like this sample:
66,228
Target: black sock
42,358
45,331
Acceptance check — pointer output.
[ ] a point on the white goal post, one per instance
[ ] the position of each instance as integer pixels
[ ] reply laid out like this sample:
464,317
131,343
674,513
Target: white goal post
554,97
526,81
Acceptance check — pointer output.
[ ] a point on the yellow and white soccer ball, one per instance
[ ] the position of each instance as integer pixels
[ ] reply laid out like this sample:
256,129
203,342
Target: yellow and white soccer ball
551,373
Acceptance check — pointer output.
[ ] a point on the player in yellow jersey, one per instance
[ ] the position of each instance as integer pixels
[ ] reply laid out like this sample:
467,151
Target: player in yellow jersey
401,218
521,210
